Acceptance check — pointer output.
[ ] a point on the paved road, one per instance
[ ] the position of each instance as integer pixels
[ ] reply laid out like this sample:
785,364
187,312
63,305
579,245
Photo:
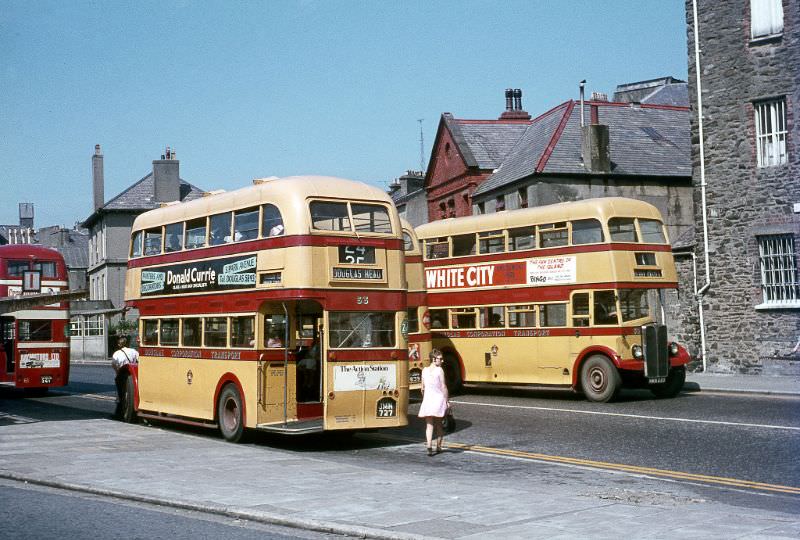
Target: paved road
518,466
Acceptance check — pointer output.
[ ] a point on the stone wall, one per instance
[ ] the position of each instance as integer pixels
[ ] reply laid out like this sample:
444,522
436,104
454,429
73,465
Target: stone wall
744,201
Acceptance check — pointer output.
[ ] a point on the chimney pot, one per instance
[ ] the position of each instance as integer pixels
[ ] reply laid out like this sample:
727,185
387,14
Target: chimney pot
517,99
509,99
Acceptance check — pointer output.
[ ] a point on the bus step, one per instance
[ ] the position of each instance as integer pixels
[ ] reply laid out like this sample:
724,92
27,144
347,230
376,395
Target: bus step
299,427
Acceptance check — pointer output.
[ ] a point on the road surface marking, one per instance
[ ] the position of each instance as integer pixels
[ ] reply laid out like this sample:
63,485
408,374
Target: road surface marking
620,467
644,417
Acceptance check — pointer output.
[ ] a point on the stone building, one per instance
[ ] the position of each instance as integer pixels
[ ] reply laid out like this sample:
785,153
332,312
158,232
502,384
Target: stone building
109,228
408,194
746,154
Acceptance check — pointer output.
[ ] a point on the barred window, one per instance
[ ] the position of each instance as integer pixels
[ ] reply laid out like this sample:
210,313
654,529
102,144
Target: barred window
766,18
770,133
779,283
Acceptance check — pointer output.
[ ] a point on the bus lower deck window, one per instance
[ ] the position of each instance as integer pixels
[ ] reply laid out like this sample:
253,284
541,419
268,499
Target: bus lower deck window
191,333
169,332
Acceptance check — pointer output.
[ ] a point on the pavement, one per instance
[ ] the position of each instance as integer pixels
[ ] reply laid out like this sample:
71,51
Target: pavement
383,486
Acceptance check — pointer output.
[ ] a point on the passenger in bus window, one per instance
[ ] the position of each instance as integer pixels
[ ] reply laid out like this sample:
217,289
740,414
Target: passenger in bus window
274,342
277,230
435,401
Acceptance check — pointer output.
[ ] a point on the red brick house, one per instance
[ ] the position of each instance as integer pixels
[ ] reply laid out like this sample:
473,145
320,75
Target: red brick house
466,152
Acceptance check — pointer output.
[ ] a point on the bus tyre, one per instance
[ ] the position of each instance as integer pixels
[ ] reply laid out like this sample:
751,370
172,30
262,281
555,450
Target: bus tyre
452,374
673,386
127,409
229,414
600,380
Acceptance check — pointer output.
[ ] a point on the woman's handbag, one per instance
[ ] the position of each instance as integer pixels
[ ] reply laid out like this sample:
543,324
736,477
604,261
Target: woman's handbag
449,421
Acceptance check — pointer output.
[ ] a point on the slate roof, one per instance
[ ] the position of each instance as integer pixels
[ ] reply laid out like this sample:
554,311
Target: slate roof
484,143
671,94
75,252
139,198
644,140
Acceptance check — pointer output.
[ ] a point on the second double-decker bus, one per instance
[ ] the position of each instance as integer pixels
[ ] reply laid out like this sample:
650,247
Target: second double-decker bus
35,341
418,319
567,295
275,307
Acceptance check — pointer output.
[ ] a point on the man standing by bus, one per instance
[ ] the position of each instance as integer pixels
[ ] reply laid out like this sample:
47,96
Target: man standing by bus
123,356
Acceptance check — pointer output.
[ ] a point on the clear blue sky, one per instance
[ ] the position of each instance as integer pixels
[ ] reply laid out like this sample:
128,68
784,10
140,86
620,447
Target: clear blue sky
252,89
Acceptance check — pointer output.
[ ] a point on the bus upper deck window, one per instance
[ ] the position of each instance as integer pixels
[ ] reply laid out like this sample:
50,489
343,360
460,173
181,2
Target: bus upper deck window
271,221
652,231
586,231
437,248
553,235
220,225
329,216
521,238
491,242
173,237
371,218
408,242
245,224
622,230
47,268
136,244
196,233
463,244
152,241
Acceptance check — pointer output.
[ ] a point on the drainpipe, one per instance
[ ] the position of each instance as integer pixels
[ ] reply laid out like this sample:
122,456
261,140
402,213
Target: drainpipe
700,293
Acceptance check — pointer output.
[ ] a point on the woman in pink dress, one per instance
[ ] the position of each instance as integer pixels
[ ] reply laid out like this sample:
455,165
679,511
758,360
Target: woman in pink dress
435,401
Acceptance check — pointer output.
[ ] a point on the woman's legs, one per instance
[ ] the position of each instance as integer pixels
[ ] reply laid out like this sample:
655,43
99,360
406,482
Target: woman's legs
439,433
429,431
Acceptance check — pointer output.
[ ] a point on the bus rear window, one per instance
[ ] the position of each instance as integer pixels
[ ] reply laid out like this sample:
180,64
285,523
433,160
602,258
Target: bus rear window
622,230
652,231
329,216
361,329
35,330
47,268
371,218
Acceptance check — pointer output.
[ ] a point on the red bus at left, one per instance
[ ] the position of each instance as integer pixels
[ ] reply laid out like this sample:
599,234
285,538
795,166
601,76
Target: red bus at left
35,347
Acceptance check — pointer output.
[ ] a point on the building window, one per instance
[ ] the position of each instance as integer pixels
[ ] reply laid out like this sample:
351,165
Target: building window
766,18
522,195
442,210
500,204
771,133
778,262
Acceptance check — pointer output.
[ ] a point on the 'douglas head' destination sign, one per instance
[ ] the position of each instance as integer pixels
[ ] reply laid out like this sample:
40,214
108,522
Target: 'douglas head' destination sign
200,276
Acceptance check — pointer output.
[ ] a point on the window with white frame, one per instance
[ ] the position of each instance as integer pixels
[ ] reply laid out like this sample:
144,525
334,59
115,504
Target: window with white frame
766,18
770,118
778,262
95,325
76,326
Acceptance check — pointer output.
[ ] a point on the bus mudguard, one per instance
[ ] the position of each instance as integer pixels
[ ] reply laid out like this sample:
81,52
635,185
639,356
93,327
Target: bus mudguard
585,353
225,379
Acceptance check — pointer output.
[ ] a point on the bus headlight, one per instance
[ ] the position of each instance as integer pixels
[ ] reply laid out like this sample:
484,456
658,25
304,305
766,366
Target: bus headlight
673,349
637,352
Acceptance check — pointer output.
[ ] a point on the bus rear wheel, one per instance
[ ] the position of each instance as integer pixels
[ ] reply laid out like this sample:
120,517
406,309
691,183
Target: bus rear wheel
452,374
229,414
600,380
673,386
127,409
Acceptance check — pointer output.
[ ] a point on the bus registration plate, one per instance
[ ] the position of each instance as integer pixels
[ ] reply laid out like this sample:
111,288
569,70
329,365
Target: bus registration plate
657,380
387,408
47,379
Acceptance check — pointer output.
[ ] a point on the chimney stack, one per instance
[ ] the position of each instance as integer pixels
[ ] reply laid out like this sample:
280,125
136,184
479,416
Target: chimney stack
514,109
98,183
166,179
25,215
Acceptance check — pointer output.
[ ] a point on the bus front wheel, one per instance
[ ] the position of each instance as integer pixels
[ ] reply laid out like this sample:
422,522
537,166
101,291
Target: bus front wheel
128,411
673,386
229,414
600,380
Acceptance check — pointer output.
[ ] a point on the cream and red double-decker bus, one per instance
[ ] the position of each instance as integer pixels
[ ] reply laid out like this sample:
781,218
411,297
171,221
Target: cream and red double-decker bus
276,307
570,295
419,334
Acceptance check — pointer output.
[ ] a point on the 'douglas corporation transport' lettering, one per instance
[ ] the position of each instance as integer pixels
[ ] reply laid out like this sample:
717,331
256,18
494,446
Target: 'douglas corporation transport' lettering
200,276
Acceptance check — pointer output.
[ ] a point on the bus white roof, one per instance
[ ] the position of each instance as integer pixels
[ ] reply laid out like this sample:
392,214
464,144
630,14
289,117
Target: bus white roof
289,194
601,208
